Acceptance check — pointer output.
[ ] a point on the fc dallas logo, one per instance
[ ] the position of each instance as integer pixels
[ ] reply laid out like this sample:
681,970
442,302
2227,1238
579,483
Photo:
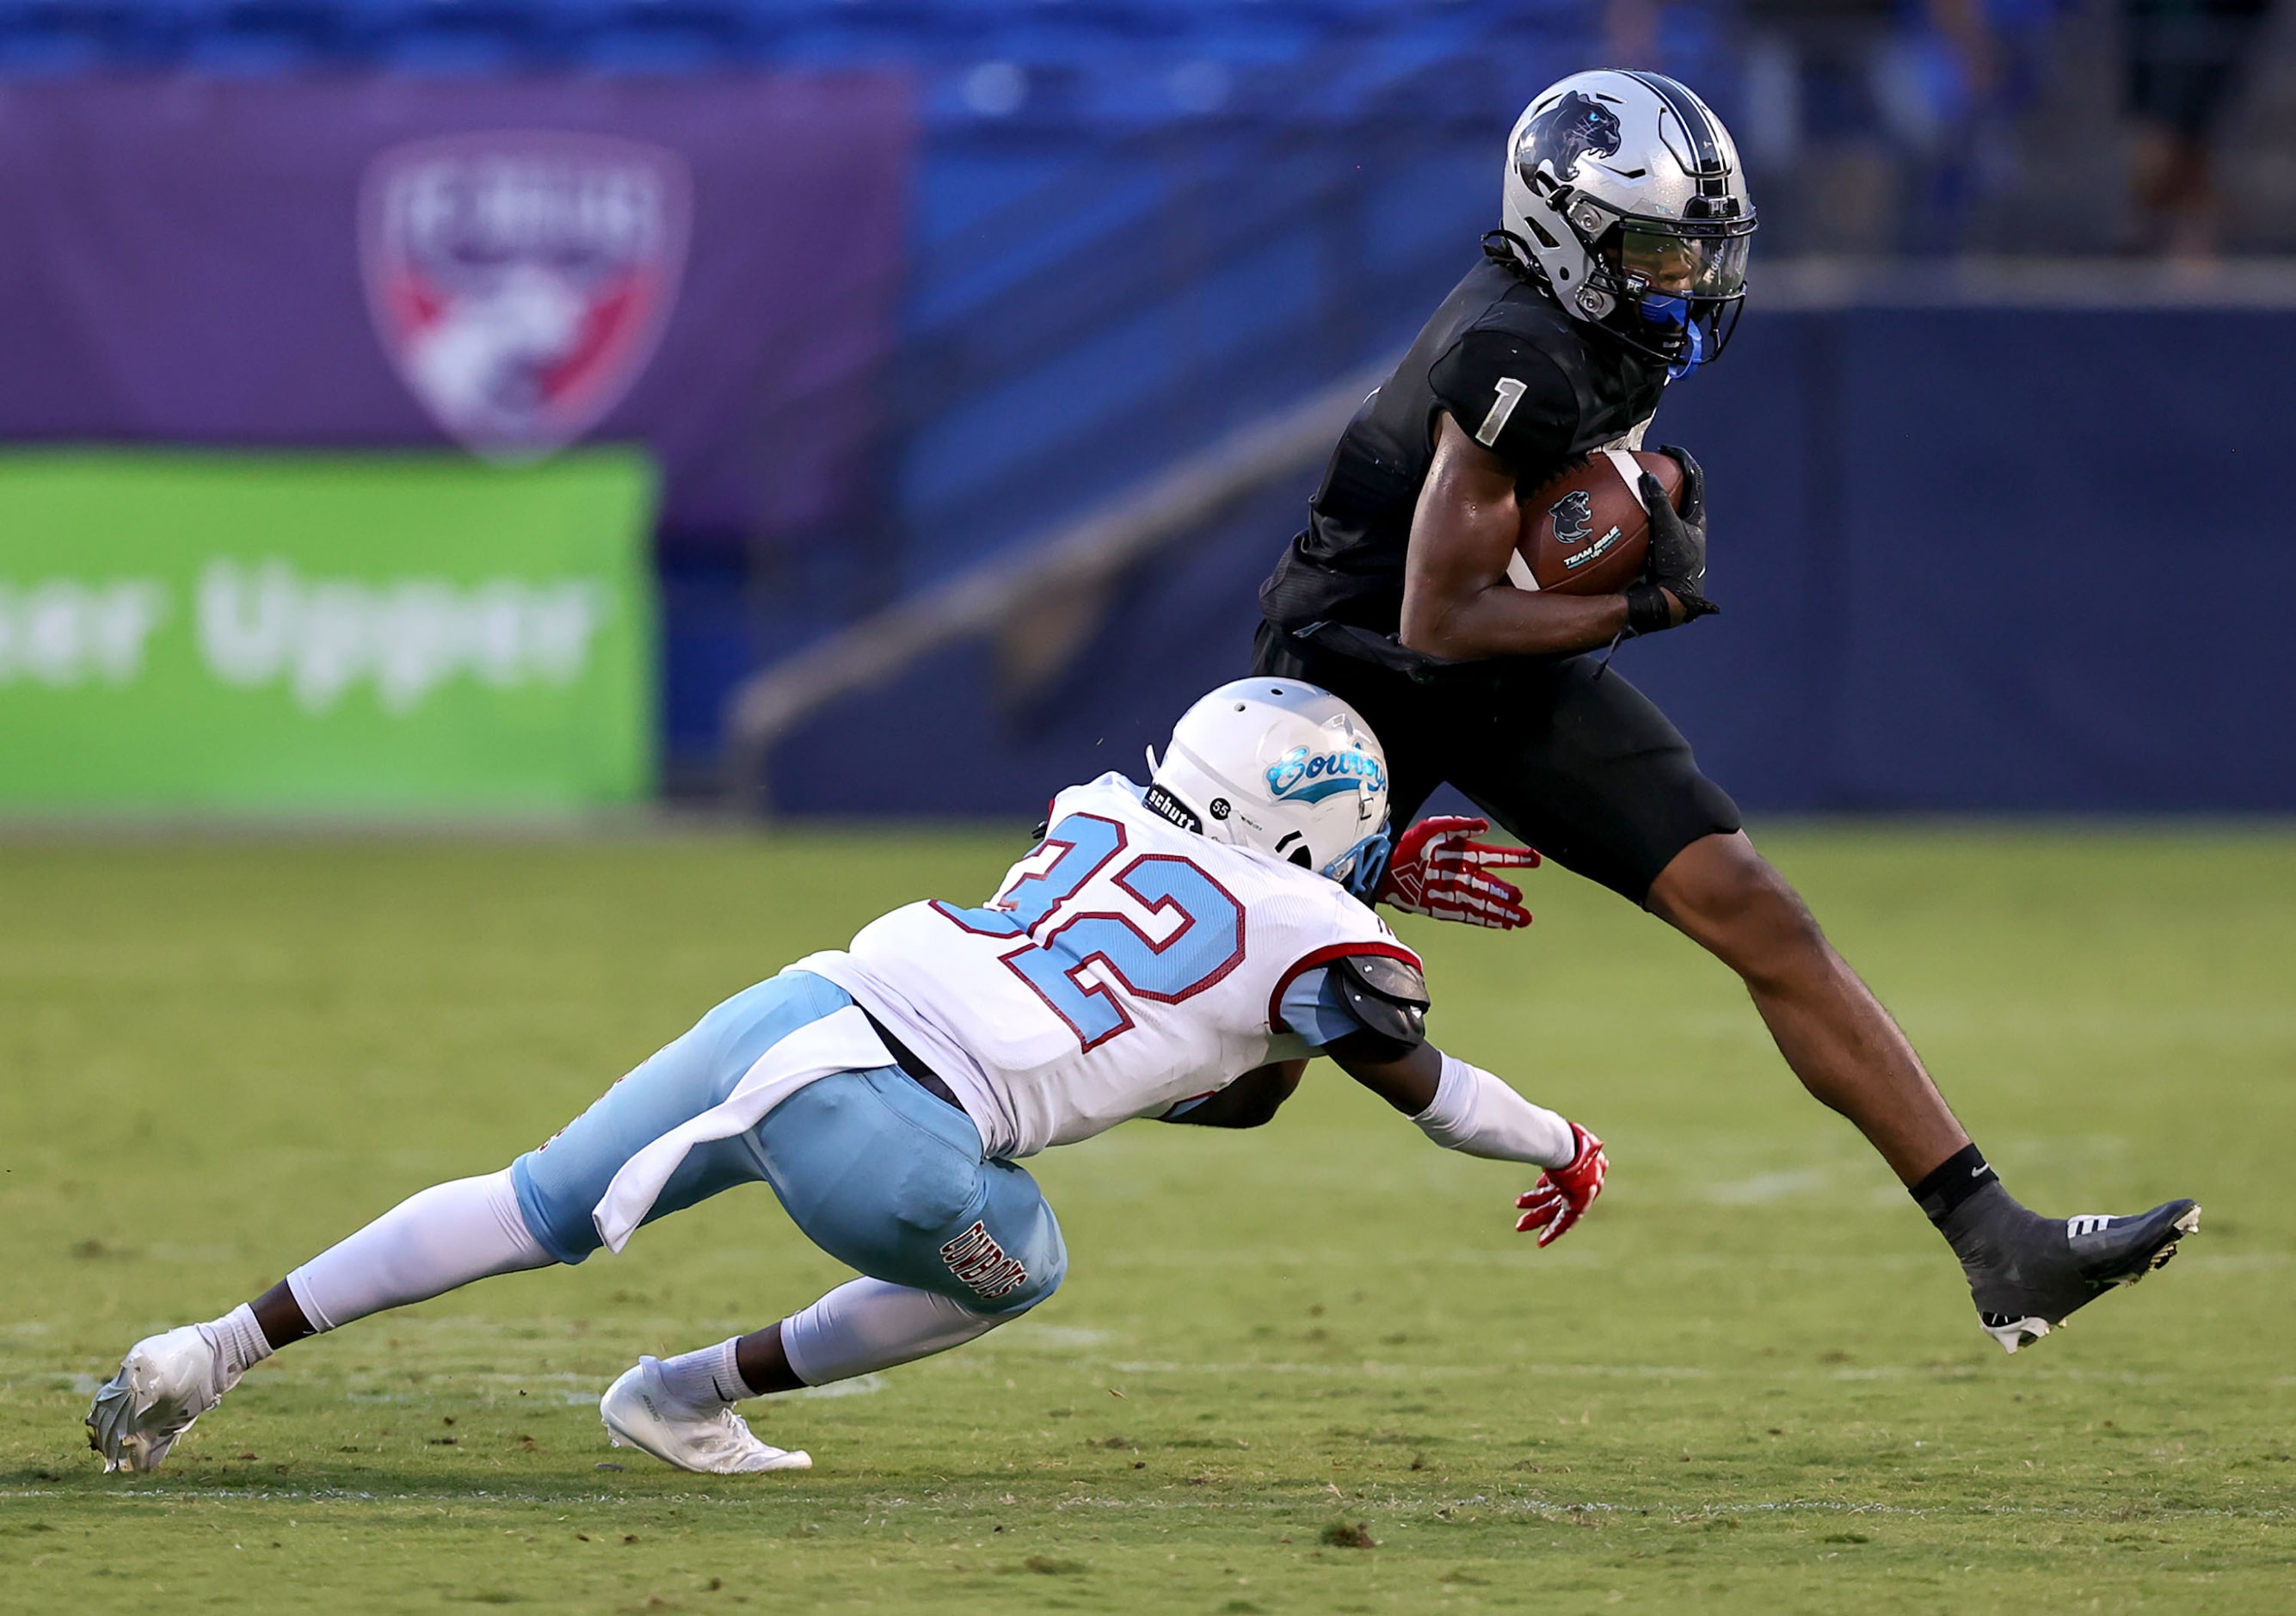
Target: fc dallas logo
520,282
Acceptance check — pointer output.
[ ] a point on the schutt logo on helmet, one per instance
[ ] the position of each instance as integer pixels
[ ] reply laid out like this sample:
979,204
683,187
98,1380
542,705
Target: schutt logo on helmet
1577,126
520,282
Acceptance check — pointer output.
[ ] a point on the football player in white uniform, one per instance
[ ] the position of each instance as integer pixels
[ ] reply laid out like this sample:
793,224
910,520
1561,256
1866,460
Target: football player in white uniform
1174,951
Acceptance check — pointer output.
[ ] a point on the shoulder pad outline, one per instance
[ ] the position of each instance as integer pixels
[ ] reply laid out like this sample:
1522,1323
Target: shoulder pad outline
1388,996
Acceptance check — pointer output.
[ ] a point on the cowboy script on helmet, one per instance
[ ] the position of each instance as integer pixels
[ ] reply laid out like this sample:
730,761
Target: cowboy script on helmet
1283,769
1623,194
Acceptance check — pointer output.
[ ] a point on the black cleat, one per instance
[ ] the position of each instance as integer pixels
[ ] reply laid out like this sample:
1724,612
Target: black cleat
2030,1277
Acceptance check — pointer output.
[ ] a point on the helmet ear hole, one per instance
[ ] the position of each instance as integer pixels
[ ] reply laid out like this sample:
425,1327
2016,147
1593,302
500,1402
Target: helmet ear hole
1299,857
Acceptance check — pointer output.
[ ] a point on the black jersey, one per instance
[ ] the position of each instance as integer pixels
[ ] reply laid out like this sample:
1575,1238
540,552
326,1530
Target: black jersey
1511,368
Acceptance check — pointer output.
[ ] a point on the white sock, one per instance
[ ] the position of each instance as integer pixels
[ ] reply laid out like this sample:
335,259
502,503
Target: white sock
868,1324
238,1343
705,1380
445,1236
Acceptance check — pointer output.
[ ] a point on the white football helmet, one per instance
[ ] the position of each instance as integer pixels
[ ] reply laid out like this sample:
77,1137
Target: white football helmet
1283,768
1624,194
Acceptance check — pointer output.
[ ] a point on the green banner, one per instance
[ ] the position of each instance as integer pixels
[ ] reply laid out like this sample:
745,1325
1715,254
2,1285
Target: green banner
341,632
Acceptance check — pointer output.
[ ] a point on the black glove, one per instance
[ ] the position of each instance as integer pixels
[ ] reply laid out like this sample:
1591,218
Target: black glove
1677,552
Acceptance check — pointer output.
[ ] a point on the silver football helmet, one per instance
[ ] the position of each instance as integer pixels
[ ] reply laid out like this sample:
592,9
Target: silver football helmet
1624,194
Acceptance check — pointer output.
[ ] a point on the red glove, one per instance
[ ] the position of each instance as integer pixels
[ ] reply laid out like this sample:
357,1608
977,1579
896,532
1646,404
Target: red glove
1439,869
1562,1194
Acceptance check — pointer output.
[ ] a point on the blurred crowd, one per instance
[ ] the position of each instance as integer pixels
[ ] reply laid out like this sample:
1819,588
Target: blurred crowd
1934,127
1919,128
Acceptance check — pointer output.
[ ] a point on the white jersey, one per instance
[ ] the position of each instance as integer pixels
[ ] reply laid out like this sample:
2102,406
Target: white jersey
1125,964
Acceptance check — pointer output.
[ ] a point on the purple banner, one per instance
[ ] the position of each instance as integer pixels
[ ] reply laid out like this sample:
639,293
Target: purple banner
707,265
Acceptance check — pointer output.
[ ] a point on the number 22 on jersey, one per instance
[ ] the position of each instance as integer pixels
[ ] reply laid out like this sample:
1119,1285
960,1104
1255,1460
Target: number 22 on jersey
1061,931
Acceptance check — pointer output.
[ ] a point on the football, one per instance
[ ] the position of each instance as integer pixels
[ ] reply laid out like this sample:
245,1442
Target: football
1585,532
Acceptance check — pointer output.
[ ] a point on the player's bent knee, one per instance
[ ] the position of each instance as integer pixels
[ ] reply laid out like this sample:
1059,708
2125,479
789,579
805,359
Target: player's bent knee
557,1213
1056,1269
1041,1284
1734,902
1009,1277
1770,932
1764,908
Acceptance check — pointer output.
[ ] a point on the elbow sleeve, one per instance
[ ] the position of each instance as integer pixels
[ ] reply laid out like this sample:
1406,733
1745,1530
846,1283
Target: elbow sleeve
1477,1115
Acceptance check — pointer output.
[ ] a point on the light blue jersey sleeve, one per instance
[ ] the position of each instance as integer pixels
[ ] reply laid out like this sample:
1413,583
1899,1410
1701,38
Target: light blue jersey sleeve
1313,1008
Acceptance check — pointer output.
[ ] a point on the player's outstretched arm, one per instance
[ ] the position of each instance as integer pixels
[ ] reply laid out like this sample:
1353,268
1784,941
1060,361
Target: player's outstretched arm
1465,1108
1458,602
1251,1101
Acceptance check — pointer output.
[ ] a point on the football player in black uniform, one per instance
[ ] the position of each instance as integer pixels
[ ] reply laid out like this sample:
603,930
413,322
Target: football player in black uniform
1620,269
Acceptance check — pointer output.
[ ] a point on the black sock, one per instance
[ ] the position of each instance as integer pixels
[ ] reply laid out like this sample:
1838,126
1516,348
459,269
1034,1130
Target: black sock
1952,1182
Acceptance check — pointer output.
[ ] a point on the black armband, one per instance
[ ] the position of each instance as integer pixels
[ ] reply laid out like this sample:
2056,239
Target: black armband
1386,996
1647,609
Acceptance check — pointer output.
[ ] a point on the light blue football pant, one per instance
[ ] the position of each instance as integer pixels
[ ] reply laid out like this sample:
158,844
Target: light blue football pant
878,1172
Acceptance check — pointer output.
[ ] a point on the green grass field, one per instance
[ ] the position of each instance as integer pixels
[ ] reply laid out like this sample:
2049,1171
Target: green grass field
1309,1368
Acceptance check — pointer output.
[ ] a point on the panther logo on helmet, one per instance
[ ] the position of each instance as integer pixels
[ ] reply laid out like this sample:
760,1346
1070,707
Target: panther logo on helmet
1573,516
1576,127
1623,199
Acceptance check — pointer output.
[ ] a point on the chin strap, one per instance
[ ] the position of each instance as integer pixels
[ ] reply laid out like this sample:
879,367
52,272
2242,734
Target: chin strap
1510,252
1695,342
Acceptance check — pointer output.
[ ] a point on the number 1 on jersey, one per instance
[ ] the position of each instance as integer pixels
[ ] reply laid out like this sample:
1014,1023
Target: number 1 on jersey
1510,393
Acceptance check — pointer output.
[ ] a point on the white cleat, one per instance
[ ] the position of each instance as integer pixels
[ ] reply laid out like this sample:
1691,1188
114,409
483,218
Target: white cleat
639,1414
164,1384
2016,1332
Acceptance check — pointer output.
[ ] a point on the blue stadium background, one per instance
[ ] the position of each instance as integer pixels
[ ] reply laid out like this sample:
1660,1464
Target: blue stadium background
1978,550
